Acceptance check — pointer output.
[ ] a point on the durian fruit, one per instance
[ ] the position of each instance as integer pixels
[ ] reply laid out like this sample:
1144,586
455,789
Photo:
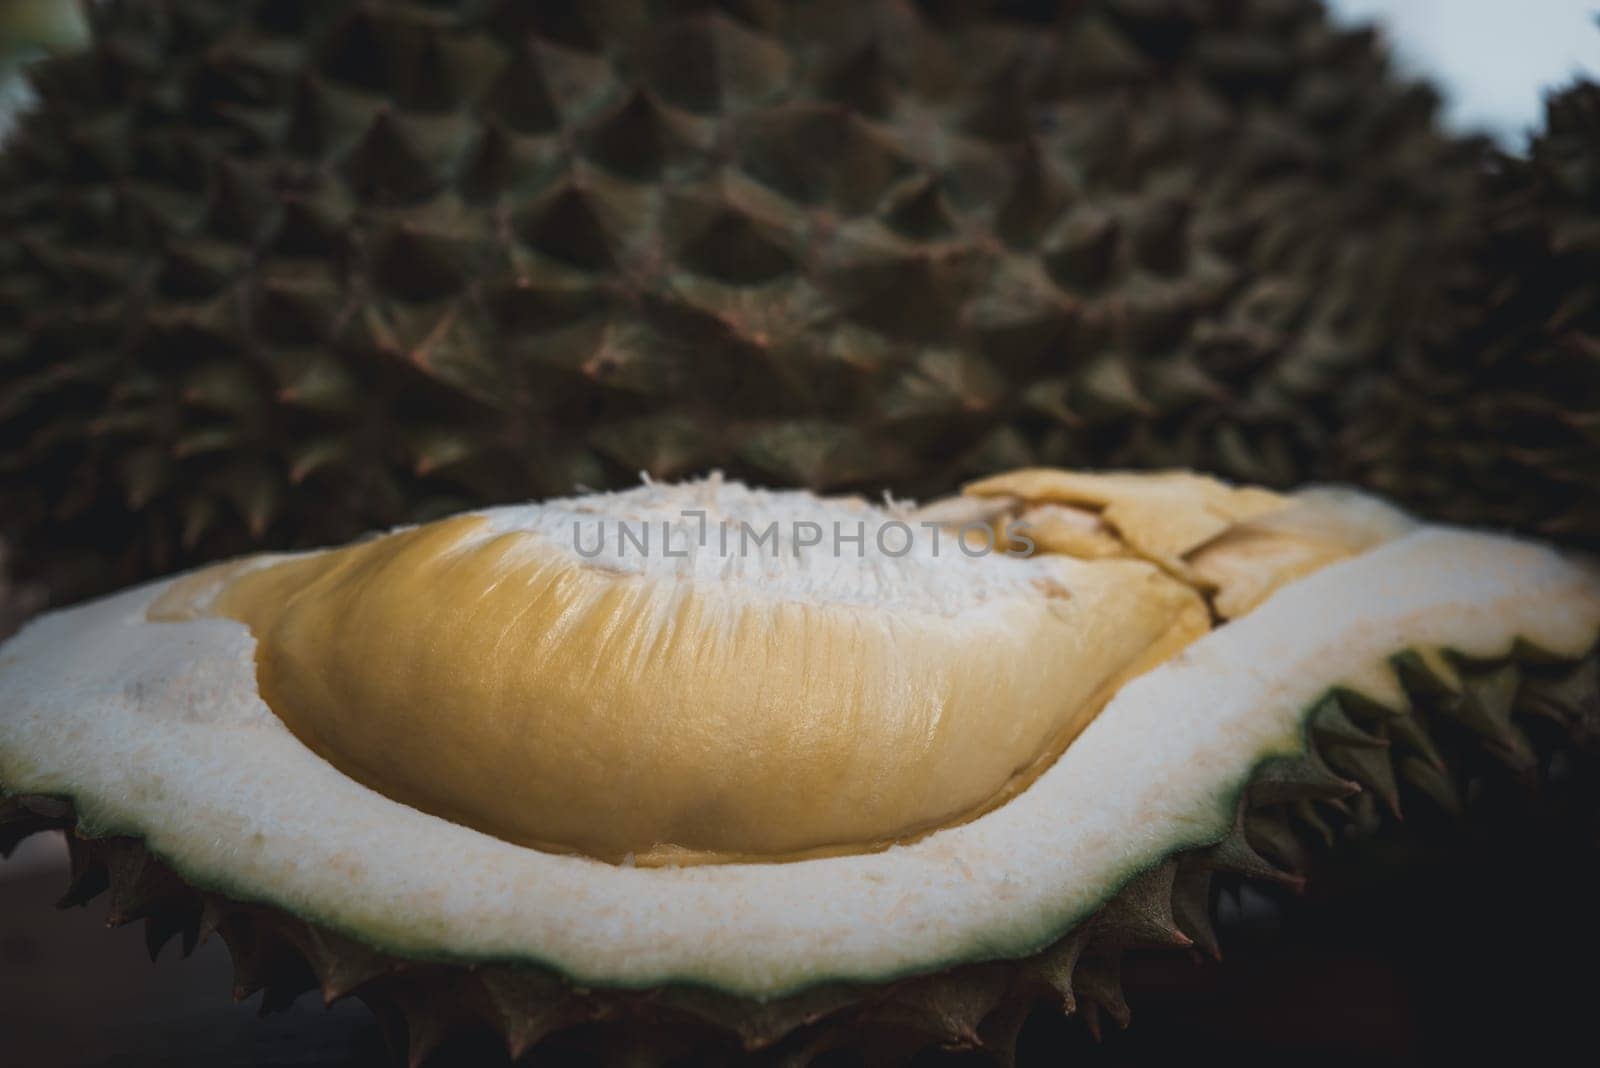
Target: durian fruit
1493,414
284,272
697,771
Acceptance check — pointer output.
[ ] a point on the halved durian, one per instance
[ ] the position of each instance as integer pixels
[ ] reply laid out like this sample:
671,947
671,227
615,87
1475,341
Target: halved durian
763,764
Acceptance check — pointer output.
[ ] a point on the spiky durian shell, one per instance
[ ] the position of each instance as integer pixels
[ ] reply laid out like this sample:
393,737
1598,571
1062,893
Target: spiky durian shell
1465,726
285,272
1493,414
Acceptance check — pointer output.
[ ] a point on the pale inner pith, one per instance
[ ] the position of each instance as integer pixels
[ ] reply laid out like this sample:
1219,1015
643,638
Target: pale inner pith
694,701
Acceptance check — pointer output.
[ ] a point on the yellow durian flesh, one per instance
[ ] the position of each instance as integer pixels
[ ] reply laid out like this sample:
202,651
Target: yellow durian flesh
713,707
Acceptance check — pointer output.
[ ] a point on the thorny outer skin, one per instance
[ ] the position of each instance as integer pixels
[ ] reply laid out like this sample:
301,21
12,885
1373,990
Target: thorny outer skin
844,245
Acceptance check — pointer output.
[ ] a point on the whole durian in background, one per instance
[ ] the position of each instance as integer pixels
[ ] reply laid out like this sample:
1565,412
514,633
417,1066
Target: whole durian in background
1493,413
283,272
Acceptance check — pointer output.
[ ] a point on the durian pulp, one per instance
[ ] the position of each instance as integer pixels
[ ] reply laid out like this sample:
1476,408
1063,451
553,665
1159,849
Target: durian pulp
730,703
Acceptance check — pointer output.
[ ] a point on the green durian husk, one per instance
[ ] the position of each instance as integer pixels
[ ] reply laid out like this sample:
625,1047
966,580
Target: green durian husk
284,273
1491,415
